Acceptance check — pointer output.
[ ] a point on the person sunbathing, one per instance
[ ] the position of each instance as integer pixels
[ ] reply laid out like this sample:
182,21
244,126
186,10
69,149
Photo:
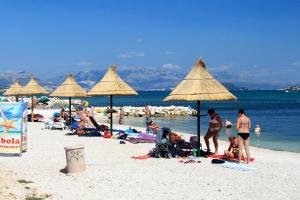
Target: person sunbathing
152,128
233,149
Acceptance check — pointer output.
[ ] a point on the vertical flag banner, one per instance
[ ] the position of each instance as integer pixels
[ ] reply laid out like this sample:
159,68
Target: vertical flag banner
13,128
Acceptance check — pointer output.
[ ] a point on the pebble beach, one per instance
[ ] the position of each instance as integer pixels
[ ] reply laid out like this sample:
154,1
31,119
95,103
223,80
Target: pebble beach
112,174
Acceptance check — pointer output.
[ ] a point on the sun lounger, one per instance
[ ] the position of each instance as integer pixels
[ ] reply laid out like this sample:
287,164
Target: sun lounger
55,125
77,130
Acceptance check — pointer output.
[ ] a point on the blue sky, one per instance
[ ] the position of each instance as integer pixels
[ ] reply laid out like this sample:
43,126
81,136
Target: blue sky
256,40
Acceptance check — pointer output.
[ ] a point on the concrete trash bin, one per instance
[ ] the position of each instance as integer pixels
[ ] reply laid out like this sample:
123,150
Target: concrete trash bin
75,159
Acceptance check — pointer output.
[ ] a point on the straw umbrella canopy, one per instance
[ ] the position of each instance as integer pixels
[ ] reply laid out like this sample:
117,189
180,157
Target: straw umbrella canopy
112,85
14,90
69,88
33,88
198,86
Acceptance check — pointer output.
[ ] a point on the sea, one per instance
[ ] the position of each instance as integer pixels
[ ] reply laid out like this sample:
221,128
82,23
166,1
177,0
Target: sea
277,113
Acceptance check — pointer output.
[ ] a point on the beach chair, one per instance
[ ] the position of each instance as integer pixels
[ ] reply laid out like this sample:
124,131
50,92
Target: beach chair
77,130
101,128
55,125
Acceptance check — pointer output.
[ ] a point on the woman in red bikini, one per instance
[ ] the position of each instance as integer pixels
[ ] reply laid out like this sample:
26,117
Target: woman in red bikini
243,125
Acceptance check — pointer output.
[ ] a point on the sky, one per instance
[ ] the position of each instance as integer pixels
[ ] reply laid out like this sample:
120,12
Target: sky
253,40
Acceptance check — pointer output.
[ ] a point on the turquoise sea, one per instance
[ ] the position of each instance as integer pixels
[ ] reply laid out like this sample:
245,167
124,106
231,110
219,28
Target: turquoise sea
277,112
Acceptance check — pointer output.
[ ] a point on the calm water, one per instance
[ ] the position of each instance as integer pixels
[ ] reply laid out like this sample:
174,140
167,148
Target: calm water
277,112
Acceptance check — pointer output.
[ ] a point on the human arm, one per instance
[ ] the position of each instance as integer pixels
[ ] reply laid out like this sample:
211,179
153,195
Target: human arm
230,147
237,124
249,124
218,118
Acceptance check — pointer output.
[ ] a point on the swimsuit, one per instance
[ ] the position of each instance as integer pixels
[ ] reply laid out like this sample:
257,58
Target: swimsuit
244,125
215,122
244,135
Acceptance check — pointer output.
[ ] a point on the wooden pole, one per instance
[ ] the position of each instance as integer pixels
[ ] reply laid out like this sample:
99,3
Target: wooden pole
198,129
32,116
111,113
70,111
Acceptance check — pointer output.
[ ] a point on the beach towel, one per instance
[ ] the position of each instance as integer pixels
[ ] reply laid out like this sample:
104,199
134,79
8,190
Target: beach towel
236,166
141,157
223,157
139,140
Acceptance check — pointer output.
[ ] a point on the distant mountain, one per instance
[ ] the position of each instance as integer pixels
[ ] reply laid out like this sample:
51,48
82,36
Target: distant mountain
140,78
8,78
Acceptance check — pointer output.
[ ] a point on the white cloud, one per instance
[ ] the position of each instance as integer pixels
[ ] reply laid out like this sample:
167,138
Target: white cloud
297,63
170,66
169,52
221,68
131,54
84,64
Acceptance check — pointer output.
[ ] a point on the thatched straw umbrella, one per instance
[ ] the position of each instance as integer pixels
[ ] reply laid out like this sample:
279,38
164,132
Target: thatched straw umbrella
198,86
14,90
33,88
112,85
69,88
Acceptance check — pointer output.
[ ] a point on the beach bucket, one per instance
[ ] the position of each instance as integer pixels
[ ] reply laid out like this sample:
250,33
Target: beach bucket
75,159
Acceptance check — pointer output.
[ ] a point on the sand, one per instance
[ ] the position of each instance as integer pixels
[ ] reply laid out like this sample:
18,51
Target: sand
112,174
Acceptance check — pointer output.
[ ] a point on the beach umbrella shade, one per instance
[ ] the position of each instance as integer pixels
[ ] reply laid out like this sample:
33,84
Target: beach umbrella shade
32,88
112,85
198,86
44,100
69,88
14,90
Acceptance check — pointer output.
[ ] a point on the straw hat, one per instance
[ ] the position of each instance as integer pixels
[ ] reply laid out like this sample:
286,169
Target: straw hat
14,89
32,88
112,84
69,88
199,85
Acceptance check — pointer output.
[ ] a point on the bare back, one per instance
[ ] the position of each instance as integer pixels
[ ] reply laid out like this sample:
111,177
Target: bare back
243,124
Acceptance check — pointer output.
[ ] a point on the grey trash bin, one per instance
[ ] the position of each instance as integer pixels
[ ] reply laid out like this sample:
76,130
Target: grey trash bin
75,159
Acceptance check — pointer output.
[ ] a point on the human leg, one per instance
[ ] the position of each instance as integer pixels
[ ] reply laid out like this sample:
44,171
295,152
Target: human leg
241,145
206,139
247,149
215,140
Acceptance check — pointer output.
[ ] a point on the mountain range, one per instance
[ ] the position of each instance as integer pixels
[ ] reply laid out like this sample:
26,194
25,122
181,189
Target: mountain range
140,78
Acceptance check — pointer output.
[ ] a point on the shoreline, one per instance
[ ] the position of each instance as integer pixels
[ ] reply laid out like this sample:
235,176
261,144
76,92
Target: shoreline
102,118
201,138
111,171
220,138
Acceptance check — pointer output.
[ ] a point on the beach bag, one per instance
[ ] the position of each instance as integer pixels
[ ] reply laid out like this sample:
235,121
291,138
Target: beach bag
194,141
217,161
123,136
107,134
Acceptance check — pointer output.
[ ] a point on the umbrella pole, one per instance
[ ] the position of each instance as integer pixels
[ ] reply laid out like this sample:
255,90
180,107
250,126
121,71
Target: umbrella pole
17,98
70,111
111,114
198,129
32,108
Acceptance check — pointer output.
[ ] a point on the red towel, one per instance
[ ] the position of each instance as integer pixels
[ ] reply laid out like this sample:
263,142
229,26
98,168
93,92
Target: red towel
141,157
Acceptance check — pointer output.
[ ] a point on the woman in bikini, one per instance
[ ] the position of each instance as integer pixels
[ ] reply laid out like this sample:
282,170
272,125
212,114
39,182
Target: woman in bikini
233,149
243,125
215,125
